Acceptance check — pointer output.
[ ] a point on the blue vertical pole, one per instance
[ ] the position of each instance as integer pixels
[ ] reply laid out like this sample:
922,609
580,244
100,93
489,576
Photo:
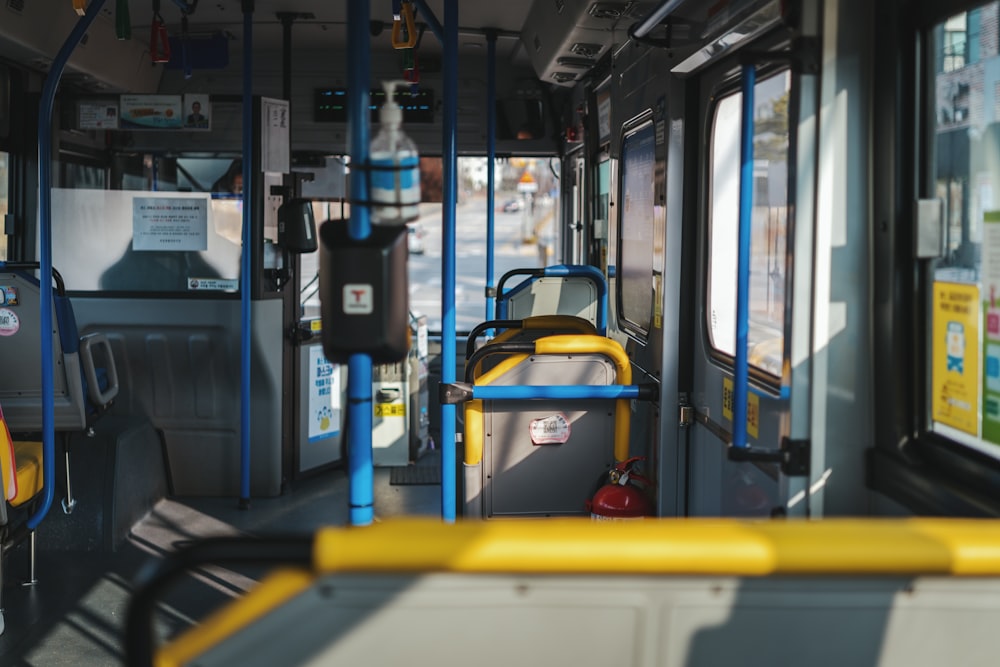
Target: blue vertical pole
427,16
45,258
245,264
361,474
448,342
491,156
742,378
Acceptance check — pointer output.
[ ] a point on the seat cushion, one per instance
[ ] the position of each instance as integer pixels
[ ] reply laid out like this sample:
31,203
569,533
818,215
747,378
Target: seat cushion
28,455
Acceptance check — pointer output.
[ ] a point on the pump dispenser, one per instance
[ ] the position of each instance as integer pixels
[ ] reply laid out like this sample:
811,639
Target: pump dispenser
395,165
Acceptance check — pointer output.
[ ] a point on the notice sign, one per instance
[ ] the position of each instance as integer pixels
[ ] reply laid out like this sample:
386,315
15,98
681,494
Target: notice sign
324,396
955,381
275,151
161,223
98,116
552,430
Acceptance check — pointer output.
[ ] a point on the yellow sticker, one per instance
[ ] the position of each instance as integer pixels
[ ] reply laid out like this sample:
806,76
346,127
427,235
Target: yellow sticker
753,407
955,348
390,409
727,399
316,325
657,301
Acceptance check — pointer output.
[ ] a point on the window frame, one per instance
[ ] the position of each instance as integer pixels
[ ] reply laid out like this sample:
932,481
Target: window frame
639,331
909,463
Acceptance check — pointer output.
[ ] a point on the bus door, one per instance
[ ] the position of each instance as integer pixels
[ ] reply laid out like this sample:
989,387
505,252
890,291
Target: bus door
750,481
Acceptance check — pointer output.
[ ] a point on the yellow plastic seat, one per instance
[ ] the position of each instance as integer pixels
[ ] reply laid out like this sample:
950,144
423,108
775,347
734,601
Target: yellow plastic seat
28,455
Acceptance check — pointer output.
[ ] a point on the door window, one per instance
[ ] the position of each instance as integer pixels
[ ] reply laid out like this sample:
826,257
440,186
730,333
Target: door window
768,223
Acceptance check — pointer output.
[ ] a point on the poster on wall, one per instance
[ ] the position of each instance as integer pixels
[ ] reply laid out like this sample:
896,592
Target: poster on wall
162,223
955,375
991,320
151,112
324,395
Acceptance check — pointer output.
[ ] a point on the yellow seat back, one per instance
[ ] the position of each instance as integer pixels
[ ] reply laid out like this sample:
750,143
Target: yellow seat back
8,466
28,457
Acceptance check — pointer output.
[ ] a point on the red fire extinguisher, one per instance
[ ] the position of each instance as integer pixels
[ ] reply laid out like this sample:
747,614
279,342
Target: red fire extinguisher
621,497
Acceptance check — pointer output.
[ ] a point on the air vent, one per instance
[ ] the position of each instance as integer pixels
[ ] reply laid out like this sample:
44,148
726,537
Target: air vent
611,11
15,5
581,31
575,63
585,50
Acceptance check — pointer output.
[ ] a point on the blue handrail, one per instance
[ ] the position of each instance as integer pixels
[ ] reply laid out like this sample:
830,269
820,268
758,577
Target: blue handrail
742,378
491,153
245,264
559,271
448,342
491,392
45,257
431,20
448,36
359,366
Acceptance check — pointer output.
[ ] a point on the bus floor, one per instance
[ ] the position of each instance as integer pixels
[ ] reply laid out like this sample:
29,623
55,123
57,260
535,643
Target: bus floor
75,613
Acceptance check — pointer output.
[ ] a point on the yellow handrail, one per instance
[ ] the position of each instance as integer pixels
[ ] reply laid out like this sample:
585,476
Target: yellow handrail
725,547
612,350
559,344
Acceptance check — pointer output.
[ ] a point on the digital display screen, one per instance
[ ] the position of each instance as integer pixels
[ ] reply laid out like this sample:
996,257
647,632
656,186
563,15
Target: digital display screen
330,105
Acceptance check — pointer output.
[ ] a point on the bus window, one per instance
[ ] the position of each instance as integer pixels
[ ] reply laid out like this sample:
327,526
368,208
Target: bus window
768,224
964,314
526,221
4,198
6,103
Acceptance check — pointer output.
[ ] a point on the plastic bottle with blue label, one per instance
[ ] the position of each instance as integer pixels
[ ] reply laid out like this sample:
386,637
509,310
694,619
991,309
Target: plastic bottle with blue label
395,173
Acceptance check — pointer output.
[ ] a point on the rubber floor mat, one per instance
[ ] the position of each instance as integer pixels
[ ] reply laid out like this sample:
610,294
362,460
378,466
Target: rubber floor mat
413,475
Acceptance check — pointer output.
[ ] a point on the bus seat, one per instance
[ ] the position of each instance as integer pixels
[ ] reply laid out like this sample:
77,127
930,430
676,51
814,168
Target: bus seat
21,463
88,381
28,466
530,328
85,378
564,289
542,458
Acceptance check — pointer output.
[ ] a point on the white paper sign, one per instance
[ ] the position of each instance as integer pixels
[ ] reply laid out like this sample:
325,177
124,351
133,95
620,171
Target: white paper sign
98,116
275,153
552,430
324,395
162,223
